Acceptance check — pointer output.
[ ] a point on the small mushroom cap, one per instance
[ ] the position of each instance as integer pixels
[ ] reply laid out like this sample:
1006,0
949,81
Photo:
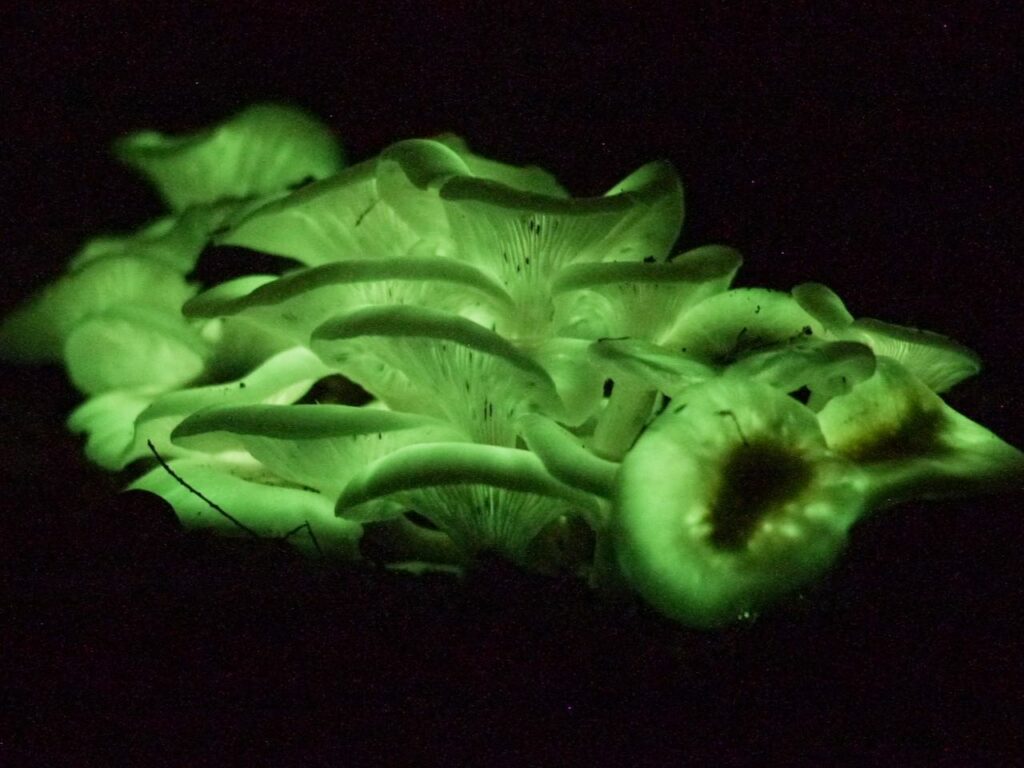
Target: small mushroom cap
263,149
935,359
425,361
320,446
108,422
639,299
485,497
732,325
913,445
133,347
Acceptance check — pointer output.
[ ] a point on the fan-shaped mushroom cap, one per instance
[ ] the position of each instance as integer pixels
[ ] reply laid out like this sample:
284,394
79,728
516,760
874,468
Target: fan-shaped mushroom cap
912,444
484,497
319,446
425,361
263,149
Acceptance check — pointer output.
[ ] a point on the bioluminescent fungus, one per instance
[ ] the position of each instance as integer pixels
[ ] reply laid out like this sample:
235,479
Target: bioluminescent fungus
464,359
730,499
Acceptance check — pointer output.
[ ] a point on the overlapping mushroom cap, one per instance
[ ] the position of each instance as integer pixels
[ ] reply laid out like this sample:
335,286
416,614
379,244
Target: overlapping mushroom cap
463,358
730,499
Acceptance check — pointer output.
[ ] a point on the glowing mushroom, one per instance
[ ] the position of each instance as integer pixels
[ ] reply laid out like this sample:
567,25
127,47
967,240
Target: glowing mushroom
730,500
121,425
486,314
295,304
525,238
431,362
637,299
911,444
935,359
486,498
317,446
261,150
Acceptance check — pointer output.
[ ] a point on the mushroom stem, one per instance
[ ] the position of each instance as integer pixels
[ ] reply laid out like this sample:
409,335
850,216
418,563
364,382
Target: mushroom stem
605,575
565,457
625,414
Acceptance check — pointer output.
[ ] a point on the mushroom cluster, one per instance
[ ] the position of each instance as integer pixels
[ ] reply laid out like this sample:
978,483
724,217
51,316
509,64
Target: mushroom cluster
455,357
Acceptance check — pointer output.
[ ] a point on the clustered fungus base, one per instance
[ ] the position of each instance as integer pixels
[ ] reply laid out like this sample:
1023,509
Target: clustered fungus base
521,372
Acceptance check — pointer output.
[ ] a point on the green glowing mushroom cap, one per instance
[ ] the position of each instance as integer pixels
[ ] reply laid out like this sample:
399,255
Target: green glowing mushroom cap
38,329
108,420
638,299
295,304
425,361
525,238
133,347
730,500
732,325
911,444
484,497
319,446
263,149
340,217
384,207
410,175
935,359
121,425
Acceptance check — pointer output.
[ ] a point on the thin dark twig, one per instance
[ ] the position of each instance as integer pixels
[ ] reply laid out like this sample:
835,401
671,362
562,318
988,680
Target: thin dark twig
312,536
211,503
359,219
736,421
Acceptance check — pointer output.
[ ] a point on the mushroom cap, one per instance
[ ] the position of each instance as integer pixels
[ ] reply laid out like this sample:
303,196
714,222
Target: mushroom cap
295,304
425,361
484,497
911,444
320,446
730,500
636,298
261,150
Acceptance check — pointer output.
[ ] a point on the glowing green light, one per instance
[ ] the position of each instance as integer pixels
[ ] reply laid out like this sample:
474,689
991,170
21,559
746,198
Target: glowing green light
533,373
729,500
261,150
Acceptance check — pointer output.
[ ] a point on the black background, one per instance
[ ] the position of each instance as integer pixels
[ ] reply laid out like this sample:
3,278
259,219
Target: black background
876,150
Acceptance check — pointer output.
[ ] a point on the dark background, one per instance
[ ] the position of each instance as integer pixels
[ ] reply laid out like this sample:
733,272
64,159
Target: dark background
876,150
